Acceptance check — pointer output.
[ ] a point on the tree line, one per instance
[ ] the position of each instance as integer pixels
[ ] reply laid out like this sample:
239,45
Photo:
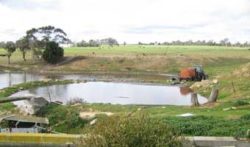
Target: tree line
223,42
96,43
43,42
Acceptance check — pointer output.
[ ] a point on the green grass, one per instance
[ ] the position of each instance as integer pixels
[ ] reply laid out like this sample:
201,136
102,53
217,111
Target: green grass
151,49
211,126
148,50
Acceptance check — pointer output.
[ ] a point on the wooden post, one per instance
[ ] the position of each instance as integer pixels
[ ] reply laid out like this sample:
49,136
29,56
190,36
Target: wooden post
233,87
8,59
194,99
10,81
214,95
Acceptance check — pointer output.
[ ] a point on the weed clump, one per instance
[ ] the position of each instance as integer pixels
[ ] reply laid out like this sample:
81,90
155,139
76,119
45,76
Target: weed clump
240,103
245,117
63,118
139,131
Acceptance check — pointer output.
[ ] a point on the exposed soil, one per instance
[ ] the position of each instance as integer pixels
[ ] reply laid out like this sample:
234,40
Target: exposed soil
69,59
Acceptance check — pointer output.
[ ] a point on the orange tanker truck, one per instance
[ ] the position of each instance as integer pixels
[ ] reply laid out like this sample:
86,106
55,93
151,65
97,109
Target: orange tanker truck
195,73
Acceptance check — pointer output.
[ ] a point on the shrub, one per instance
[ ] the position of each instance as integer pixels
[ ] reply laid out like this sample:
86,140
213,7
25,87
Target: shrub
63,118
240,103
245,117
248,133
76,101
10,47
52,53
136,131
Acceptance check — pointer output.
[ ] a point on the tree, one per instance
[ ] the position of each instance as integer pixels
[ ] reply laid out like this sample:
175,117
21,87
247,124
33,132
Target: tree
39,37
91,43
211,42
2,44
109,41
225,42
23,45
82,43
52,53
189,42
94,43
48,33
10,47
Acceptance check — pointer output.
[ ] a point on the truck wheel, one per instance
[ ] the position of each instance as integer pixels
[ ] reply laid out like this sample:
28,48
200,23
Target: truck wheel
204,77
200,78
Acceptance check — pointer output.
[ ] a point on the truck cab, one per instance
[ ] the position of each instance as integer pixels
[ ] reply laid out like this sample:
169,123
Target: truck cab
200,74
195,73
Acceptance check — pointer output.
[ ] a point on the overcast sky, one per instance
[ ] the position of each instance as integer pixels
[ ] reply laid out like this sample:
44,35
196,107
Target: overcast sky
130,20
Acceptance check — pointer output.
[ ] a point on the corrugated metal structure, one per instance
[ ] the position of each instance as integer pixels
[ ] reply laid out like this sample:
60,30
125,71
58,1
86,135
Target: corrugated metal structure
22,124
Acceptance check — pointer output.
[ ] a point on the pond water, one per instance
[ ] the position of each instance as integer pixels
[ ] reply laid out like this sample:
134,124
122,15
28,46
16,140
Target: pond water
116,93
8,78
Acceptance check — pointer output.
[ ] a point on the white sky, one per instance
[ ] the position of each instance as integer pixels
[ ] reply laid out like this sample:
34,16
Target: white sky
130,20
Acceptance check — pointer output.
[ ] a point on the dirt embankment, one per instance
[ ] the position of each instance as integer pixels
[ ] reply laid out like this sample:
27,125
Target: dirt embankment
68,60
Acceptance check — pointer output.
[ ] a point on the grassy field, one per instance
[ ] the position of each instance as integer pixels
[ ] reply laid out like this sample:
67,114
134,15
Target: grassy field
227,64
141,59
158,58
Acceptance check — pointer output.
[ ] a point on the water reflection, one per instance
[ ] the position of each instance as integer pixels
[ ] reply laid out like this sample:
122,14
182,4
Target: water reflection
9,79
116,93
185,90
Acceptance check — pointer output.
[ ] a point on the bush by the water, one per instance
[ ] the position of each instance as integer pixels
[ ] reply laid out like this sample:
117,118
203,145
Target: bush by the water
64,119
52,53
133,131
